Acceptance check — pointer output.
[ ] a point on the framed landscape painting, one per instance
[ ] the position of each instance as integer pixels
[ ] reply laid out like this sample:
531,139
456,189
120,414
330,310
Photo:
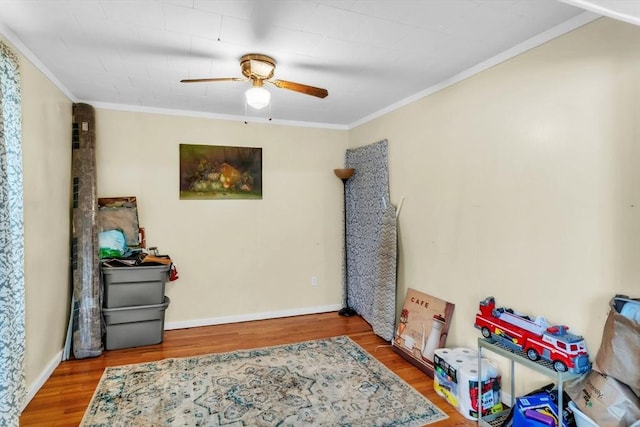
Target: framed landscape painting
220,172
423,326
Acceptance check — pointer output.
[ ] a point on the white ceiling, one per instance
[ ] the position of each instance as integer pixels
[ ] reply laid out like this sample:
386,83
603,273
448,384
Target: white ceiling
371,55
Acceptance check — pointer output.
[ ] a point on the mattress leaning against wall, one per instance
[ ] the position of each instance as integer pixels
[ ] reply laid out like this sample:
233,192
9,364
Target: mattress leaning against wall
85,270
371,238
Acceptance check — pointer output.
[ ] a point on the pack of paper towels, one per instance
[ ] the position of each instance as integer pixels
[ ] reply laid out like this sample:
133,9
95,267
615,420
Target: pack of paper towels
456,379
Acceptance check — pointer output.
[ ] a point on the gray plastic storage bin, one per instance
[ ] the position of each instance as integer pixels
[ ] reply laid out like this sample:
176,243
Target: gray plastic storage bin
134,326
132,286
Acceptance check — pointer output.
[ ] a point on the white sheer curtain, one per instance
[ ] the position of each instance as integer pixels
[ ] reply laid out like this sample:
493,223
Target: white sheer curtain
12,335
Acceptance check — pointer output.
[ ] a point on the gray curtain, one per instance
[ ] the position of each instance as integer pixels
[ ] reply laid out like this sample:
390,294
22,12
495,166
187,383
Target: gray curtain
371,238
12,323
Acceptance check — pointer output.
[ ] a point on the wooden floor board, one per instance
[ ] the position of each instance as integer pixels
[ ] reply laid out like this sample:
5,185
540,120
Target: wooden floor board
65,396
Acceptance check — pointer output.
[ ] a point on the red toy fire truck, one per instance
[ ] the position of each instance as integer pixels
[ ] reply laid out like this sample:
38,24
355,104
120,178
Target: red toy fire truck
519,332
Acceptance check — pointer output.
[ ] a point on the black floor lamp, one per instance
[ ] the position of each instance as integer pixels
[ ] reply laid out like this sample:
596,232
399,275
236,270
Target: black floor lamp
344,174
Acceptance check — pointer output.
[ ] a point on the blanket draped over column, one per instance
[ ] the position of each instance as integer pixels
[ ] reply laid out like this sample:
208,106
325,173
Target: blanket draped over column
371,238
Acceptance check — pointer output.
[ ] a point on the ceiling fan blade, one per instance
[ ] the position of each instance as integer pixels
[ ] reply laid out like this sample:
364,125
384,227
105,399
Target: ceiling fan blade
299,87
220,79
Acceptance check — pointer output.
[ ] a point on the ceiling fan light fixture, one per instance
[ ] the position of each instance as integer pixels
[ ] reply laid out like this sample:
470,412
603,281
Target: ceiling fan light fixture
258,69
257,97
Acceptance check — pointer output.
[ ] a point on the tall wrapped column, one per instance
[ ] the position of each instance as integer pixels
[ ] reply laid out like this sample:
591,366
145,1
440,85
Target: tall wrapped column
87,324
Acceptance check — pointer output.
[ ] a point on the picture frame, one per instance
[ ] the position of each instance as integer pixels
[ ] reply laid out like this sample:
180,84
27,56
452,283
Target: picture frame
423,326
120,213
220,172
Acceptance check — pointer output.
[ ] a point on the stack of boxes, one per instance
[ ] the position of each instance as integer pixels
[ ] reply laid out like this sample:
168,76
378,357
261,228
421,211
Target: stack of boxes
134,305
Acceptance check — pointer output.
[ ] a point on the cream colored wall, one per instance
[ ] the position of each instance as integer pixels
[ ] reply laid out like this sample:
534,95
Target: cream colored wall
523,182
46,150
520,183
234,257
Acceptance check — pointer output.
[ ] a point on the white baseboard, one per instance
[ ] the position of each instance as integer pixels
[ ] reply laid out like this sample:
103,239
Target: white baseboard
250,316
33,388
505,398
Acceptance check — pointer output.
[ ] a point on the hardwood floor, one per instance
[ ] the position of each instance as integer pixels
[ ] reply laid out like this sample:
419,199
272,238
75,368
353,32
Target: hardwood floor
65,396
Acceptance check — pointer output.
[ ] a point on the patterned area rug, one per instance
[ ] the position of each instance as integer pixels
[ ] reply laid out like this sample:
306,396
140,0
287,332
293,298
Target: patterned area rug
329,382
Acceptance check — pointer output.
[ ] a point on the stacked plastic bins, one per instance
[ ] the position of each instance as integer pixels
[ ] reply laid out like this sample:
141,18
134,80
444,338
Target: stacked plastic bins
134,305
456,379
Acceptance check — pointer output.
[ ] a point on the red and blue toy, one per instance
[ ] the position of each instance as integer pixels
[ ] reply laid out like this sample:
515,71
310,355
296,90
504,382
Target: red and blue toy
519,332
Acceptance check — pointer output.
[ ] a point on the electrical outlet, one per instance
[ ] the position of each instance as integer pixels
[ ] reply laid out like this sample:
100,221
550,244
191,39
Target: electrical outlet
314,281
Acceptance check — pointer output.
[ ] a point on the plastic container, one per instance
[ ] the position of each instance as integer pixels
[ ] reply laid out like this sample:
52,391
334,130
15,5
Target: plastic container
133,286
582,420
134,326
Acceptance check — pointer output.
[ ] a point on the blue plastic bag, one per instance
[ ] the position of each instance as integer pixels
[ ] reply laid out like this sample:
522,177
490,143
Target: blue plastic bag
113,244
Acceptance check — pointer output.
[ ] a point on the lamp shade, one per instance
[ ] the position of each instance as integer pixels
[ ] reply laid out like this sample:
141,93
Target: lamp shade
257,97
344,173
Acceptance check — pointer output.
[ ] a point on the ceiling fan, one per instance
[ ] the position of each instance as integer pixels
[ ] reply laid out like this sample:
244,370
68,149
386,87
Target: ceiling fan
259,69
